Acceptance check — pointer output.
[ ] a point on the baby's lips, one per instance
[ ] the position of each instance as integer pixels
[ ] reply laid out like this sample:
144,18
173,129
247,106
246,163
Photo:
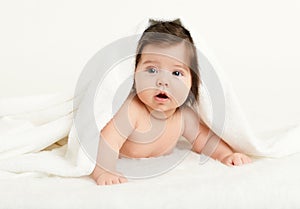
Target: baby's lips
163,95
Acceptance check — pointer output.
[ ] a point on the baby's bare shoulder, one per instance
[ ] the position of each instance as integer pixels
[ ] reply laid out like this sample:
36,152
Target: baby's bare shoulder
129,111
134,108
191,123
189,114
135,104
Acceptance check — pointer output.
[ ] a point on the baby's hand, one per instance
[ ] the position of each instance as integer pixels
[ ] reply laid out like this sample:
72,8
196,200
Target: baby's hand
108,178
236,159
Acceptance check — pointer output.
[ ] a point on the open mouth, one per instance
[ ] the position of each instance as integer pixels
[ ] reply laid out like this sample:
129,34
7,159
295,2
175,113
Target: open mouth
162,96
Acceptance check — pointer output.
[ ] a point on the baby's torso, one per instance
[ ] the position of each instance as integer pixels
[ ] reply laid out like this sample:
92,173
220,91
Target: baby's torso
153,137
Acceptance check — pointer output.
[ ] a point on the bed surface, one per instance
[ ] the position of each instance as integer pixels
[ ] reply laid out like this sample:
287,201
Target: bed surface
266,183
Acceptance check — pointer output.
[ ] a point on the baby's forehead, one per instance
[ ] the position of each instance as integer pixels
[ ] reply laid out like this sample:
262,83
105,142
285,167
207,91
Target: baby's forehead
161,60
176,54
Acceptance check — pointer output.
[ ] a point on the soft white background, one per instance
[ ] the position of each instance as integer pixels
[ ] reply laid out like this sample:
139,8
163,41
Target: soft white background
44,45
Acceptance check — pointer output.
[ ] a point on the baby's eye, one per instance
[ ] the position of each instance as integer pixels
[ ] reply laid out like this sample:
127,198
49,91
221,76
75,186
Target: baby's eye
152,70
177,73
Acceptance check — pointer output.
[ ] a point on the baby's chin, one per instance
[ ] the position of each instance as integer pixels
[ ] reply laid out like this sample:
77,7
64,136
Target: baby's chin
162,108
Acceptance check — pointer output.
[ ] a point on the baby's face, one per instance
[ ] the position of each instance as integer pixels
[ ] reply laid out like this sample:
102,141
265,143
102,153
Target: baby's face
162,77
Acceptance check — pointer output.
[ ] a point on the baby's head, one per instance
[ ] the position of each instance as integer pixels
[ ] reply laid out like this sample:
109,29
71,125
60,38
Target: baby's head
166,65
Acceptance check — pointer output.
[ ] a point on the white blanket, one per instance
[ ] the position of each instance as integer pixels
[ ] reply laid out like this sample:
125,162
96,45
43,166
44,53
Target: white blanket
28,125
266,183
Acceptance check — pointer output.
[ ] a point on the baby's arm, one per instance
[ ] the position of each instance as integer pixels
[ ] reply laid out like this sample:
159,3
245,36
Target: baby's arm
218,149
108,152
113,136
208,143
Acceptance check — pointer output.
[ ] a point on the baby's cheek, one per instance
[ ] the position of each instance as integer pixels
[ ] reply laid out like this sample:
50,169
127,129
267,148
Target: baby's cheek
144,82
180,91
145,97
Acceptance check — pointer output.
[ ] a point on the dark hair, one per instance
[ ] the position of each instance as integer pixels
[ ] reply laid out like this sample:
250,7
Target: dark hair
172,32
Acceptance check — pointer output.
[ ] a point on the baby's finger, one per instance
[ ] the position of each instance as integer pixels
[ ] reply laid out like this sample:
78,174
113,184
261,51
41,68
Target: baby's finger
228,162
115,181
245,160
122,180
100,182
108,182
237,161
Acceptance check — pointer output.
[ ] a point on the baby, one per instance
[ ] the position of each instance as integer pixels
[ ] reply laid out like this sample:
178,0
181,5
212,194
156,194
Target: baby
158,110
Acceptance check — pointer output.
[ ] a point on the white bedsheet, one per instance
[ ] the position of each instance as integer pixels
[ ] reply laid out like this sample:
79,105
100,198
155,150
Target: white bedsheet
266,183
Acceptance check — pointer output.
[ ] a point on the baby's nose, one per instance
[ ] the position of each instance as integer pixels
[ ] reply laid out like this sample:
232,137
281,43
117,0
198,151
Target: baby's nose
163,79
162,82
